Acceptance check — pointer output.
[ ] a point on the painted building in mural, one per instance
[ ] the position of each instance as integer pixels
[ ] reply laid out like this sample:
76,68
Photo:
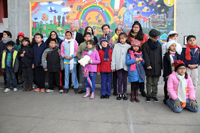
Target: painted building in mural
57,15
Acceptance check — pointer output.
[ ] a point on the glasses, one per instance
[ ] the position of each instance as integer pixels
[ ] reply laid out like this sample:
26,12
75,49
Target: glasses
53,34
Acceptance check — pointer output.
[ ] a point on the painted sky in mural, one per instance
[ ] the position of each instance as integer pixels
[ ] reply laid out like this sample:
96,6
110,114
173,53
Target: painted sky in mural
57,15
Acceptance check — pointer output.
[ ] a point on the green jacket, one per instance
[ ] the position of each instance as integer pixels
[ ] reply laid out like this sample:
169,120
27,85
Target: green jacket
17,47
80,49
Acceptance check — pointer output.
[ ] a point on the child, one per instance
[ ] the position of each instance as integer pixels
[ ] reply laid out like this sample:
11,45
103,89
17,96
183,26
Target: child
191,57
6,38
118,64
114,39
10,65
17,46
104,67
25,56
136,72
181,89
168,61
53,63
91,68
39,74
172,36
83,45
152,52
68,52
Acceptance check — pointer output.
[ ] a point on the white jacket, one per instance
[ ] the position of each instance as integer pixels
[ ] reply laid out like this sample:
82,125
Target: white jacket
119,57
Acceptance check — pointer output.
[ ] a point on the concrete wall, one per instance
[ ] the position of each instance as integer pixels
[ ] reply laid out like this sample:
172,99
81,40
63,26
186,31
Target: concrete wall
187,18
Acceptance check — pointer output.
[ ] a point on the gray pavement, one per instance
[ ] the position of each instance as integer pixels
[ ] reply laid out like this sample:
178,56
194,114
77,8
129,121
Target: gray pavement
35,112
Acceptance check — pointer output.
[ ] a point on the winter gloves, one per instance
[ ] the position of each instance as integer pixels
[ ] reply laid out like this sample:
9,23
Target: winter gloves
193,104
177,103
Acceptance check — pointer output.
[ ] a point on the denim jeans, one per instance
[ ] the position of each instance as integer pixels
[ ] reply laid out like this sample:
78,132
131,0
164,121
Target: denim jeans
106,81
10,75
170,103
74,76
92,78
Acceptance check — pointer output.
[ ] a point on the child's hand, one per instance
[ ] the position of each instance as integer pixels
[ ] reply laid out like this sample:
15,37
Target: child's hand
33,66
15,71
45,69
149,67
141,59
24,52
70,58
89,61
66,57
113,70
98,73
22,55
167,77
137,59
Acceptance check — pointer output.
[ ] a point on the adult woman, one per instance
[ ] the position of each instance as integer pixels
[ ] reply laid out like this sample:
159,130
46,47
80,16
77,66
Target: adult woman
136,33
53,35
90,30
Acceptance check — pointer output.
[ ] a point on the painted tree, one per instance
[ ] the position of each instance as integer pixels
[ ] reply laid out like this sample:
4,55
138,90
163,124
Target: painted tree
63,21
59,17
40,30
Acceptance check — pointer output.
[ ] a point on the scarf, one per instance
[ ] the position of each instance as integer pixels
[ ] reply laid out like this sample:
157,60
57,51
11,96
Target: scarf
152,45
72,45
92,36
182,89
187,51
172,57
5,40
133,66
106,55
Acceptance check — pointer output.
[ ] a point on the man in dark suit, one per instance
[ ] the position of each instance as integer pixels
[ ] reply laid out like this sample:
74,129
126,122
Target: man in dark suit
79,38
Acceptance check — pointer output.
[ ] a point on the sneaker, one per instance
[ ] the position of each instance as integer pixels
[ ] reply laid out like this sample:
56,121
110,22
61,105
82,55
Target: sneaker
148,99
34,86
155,99
15,89
66,91
125,97
119,97
49,90
61,91
42,90
76,91
6,90
81,92
37,90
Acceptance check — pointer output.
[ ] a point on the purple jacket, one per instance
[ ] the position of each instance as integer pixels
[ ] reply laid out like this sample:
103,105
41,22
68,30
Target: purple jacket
94,56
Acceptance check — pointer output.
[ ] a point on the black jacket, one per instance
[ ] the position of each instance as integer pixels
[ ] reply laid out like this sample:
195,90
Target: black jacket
27,60
167,69
152,58
79,38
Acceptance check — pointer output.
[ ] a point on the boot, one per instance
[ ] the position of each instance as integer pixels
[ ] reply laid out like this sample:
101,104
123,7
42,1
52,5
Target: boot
92,96
132,96
87,94
136,96
30,88
25,88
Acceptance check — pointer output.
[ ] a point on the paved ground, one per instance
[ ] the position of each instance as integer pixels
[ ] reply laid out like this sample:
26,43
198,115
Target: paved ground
31,112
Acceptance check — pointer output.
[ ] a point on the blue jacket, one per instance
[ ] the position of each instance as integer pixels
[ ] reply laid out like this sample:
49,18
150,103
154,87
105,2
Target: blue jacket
133,76
38,51
195,58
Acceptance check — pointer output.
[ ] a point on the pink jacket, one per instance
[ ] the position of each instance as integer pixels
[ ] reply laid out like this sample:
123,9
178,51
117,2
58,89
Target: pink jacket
172,87
94,56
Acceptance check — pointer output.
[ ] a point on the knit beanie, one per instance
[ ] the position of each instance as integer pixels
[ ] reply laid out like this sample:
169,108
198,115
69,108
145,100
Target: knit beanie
178,63
135,43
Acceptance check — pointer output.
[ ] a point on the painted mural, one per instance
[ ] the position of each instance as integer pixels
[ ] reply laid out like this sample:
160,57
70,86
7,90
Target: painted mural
57,15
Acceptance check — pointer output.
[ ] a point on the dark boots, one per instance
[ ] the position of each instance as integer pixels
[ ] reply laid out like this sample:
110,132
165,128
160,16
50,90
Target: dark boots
134,96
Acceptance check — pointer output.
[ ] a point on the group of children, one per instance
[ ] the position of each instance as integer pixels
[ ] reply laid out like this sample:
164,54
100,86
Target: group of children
121,55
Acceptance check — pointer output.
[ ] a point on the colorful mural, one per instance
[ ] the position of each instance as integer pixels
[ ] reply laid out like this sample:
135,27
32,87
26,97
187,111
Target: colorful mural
57,15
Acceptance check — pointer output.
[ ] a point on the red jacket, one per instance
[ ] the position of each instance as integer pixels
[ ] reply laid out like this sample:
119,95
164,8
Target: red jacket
104,66
142,42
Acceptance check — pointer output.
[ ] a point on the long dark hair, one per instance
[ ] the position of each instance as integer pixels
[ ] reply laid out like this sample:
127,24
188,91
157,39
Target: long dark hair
17,41
49,38
131,48
88,28
123,34
26,39
140,34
